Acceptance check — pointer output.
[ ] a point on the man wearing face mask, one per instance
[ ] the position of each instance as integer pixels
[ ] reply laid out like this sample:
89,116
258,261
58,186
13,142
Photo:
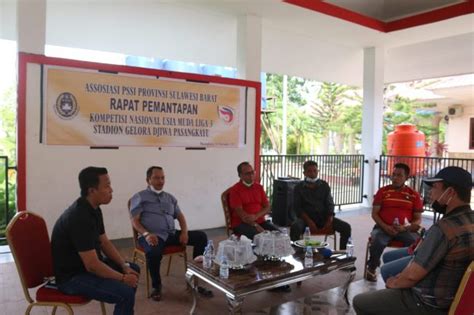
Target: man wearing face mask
314,206
153,212
430,281
249,204
394,205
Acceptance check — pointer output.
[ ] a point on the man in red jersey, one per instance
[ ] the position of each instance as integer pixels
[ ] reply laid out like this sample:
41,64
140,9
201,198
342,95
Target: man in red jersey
394,205
249,204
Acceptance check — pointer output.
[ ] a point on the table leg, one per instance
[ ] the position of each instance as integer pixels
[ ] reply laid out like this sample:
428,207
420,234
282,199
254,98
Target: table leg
234,305
352,273
192,285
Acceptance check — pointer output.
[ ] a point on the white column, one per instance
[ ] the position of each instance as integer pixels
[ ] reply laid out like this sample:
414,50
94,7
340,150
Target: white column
249,47
372,116
31,26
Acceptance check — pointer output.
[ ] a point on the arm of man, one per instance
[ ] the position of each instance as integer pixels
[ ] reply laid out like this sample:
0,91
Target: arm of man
410,276
183,237
150,238
111,252
415,222
429,253
390,230
93,265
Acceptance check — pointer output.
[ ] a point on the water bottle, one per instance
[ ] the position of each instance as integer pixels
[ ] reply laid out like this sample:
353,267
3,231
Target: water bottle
207,260
308,257
210,244
307,236
396,222
224,268
350,248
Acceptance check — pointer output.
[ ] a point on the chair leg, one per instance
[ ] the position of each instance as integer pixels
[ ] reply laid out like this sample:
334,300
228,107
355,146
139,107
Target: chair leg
169,265
28,309
335,241
102,308
366,258
54,310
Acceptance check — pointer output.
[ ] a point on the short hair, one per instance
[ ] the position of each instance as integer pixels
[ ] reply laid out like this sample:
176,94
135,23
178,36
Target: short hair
89,178
149,171
404,167
464,193
308,164
240,166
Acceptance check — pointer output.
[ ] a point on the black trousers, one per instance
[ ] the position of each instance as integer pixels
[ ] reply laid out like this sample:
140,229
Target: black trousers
250,231
342,227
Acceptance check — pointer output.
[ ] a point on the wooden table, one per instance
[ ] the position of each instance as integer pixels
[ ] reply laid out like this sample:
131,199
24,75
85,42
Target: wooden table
264,275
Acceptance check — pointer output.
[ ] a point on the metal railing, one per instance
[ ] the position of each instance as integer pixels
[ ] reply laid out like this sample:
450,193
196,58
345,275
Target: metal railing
7,197
421,167
344,173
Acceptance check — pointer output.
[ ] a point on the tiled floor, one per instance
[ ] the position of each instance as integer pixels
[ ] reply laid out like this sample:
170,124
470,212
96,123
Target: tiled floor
305,299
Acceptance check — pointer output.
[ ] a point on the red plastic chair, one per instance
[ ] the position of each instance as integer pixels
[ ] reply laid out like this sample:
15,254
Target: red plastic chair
394,244
139,255
463,304
28,239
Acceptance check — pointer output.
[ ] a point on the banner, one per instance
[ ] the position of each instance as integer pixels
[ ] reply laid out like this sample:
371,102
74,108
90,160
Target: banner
102,109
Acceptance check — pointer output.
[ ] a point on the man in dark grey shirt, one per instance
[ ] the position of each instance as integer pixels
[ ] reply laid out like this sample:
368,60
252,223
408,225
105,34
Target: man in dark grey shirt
153,212
314,207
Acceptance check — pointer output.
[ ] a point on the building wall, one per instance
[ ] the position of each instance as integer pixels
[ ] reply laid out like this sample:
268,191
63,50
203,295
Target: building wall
458,134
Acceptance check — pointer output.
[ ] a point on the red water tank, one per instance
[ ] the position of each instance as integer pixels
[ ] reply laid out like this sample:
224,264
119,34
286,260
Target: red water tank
406,141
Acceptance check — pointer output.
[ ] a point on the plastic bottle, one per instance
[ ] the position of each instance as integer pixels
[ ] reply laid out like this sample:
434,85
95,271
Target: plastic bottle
210,244
207,260
350,248
307,236
396,222
224,268
308,257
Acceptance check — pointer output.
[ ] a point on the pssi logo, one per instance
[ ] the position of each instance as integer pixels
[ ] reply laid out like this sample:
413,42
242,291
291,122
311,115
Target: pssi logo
226,114
66,106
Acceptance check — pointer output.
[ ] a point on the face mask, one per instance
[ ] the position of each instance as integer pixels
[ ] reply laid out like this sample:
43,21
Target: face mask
247,184
438,207
311,180
154,190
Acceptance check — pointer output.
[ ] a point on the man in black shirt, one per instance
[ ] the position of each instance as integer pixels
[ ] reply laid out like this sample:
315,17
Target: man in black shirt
314,207
78,241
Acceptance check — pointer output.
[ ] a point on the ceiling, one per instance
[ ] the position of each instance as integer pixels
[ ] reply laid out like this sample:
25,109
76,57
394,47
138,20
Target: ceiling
389,15
389,10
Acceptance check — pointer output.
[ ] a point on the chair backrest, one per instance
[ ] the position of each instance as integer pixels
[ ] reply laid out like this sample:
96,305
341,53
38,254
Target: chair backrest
28,239
227,210
462,303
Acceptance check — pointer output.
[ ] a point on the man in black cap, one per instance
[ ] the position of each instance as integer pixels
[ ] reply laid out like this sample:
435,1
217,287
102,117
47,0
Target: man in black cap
430,281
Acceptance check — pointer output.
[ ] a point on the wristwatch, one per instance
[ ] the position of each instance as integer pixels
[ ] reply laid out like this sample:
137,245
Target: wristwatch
146,234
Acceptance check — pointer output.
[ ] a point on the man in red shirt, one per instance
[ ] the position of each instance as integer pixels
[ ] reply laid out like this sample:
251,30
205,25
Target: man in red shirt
397,214
249,204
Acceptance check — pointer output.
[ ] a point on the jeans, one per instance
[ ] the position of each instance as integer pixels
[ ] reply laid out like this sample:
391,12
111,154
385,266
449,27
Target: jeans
394,262
344,229
103,289
154,254
250,231
380,240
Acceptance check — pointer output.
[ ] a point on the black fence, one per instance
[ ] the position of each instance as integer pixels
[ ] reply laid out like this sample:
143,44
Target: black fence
421,167
344,173
7,196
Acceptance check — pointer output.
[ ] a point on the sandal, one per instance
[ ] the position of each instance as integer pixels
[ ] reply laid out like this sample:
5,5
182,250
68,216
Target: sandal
205,292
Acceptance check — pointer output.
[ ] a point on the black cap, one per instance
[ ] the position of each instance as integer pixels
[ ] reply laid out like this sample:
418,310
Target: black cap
452,175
